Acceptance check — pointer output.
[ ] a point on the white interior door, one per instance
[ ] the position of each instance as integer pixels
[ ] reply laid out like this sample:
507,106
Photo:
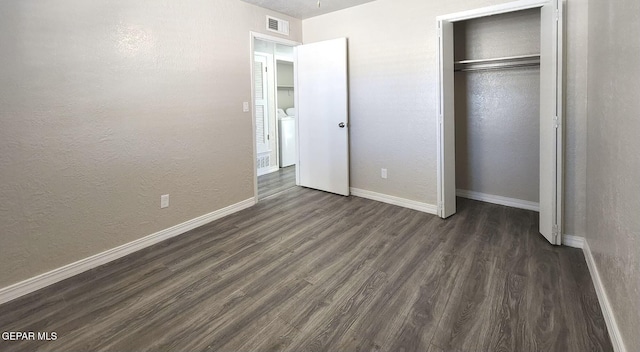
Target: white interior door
446,124
551,121
323,120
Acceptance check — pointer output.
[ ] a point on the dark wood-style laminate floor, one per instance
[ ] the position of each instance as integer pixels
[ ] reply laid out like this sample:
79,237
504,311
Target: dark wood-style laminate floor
276,182
311,271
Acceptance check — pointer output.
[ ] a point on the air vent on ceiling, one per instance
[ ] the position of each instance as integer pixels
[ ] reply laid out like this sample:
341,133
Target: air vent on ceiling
277,25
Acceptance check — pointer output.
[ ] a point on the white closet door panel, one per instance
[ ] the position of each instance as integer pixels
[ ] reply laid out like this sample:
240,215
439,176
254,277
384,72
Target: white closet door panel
550,122
446,124
322,108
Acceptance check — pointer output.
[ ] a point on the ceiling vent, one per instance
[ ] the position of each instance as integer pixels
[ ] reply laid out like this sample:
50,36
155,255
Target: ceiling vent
277,25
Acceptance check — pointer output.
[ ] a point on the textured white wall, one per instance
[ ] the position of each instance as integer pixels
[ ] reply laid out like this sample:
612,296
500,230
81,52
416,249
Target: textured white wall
393,85
613,157
498,133
106,105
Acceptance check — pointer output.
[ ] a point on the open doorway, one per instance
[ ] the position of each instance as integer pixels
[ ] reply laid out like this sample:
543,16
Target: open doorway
275,115
319,134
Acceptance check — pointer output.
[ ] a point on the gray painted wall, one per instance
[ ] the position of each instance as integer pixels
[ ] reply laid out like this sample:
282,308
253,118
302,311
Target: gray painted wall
497,112
106,105
509,34
613,157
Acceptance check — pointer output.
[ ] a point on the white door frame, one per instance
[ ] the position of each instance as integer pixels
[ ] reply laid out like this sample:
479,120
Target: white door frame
268,38
445,22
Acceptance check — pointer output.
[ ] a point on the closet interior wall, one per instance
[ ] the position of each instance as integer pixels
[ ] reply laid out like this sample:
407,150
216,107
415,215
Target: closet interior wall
497,110
285,84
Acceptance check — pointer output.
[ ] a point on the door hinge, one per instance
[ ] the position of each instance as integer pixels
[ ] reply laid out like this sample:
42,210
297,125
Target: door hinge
557,15
556,232
268,137
441,119
440,208
556,122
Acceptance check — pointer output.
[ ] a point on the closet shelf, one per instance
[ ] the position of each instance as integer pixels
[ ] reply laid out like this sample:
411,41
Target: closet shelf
285,87
497,63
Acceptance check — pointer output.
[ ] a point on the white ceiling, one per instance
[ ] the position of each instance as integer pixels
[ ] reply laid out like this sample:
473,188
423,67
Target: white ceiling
306,8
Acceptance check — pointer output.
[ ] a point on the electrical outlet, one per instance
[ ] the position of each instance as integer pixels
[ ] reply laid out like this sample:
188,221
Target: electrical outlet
164,201
383,173
245,106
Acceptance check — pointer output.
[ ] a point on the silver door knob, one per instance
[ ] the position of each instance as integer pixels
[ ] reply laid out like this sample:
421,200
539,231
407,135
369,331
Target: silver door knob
341,125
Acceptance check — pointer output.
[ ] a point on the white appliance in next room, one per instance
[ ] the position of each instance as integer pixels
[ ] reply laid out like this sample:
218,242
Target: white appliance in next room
287,130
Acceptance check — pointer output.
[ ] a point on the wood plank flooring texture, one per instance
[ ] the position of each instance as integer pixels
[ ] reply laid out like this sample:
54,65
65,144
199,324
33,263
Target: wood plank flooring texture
311,271
276,182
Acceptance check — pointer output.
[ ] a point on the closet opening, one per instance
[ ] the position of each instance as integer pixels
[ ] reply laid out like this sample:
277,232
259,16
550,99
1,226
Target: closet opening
500,109
497,110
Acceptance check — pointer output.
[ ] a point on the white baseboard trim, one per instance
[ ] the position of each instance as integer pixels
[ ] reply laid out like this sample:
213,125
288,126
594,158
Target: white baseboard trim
19,289
490,198
407,203
603,299
265,170
573,241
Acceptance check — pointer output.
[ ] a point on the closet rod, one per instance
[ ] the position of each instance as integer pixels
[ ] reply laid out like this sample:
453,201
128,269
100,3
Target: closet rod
493,68
497,63
499,59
